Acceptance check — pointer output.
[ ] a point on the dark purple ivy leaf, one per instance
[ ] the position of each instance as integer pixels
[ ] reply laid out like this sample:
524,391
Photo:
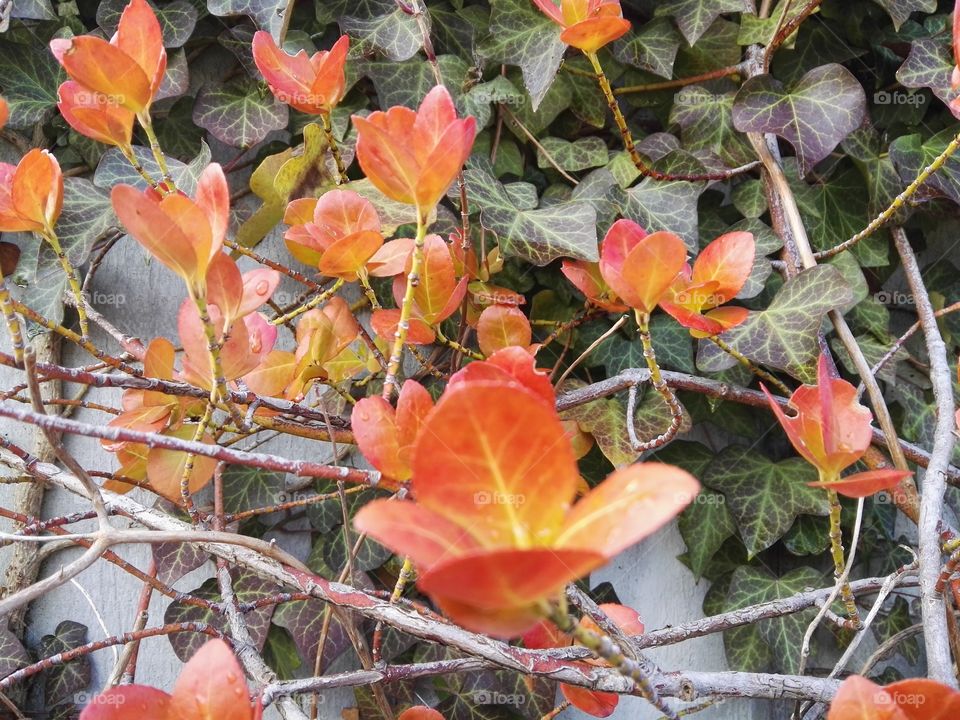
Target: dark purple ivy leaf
814,115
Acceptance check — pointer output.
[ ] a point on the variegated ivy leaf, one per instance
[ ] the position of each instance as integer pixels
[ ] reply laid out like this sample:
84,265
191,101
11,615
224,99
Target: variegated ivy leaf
911,154
245,488
929,65
267,14
406,83
573,156
707,123
693,17
240,113
31,77
814,115
765,497
247,587
900,10
13,656
783,635
784,336
394,34
566,229
659,205
60,682
177,19
653,47
523,36
114,169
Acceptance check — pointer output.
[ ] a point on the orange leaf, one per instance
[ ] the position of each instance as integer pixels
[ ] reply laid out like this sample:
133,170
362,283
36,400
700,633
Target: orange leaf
413,157
508,578
165,467
128,702
591,35
140,37
631,504
31,194
105,69
592,702
865,484
831,429
94,115
511,365
312,85
420,712
384,323
211,685
502,326
727,261
271,377
923,699
504,469
412,530
860,699
4,112
649,270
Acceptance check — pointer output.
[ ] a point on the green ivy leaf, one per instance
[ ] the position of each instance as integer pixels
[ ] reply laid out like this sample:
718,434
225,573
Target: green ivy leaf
247,587
814,115
809,536
245,488
567,229
177,19
900,10
61,682
31,77
267,14
783,635
240,113
694,17
910,154
523,36
784,336
765,497
303,619
659,205
395,34
706,119
573,156
13,655
704,526
407,83
652,48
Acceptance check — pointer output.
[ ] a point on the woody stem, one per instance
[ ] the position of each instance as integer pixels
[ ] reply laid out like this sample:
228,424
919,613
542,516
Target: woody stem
157,151
137,165
334,148
13,322
747,363
660,385
198,434
51,237
406,308
605,648
837,552
627,136
218,386
309,305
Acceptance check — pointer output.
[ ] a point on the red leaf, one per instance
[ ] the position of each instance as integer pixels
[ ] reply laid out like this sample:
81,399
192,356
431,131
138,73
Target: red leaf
864,484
